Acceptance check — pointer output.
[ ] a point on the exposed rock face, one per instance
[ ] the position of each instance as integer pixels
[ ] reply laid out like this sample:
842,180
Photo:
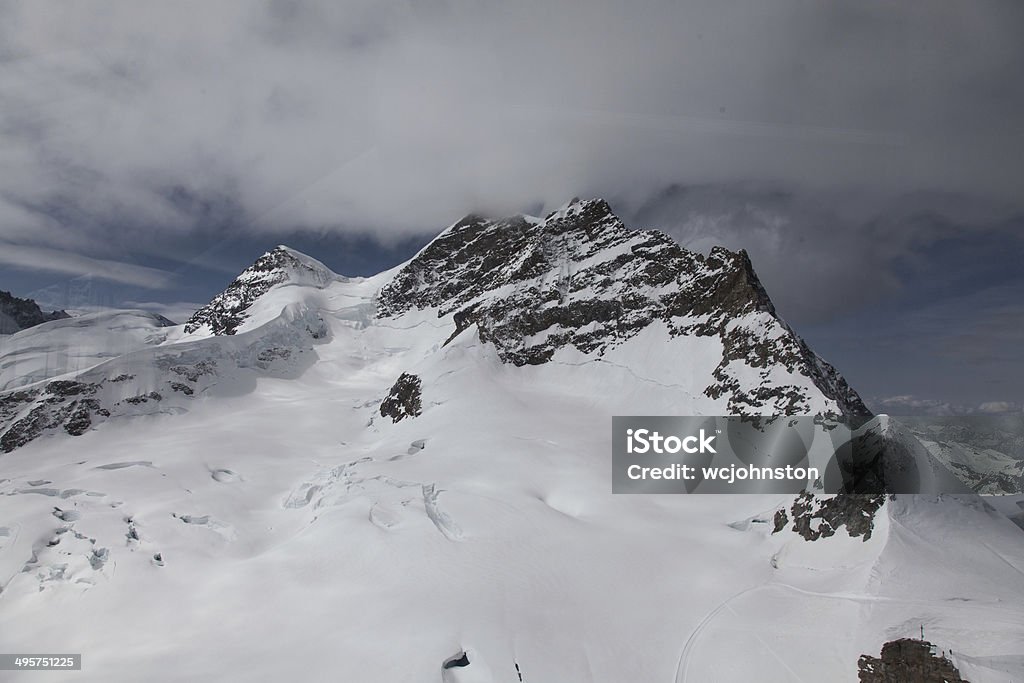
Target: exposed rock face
580,277
814,517
144,398
907,660
404,399
459,660
62,403
224,314
19,314
780,520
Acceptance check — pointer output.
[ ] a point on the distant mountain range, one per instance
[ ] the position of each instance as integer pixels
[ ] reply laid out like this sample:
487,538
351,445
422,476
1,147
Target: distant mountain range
20,314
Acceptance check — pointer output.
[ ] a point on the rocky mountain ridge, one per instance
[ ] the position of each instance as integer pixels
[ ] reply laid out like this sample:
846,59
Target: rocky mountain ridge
580,277
577,282
20,314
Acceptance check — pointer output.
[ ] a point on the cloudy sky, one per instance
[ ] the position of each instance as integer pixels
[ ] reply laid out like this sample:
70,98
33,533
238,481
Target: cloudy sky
869,155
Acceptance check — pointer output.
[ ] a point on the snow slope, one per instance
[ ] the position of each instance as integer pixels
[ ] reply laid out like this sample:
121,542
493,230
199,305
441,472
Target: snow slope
271,524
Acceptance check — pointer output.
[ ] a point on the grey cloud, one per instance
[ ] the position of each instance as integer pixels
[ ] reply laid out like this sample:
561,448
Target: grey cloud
366,116
993,339
825,255
953,348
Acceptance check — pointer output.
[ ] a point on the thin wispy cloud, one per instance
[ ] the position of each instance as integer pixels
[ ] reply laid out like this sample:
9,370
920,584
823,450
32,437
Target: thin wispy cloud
68,263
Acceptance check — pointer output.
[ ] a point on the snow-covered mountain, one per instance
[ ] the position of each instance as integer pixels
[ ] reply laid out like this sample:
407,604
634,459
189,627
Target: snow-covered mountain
985,451
406,477
230,309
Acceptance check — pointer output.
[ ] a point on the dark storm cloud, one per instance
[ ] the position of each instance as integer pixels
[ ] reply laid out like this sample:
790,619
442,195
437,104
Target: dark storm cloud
827,254
961,349
397,118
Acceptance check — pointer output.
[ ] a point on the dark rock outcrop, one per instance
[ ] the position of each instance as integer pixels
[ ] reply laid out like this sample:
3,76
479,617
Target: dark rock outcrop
19,314
458,661
907,660
144,398
404,399
815,517
780,520
63,403
882,456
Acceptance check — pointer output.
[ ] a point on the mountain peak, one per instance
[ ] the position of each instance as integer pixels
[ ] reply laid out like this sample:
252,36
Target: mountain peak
594,208
580,278
280,266
19,314
292,266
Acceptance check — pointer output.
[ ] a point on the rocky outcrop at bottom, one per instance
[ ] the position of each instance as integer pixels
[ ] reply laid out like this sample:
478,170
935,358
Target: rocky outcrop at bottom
908,660
405,399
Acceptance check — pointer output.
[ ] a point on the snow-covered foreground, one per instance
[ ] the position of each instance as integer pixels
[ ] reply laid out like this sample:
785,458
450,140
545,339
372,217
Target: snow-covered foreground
298,542
271,524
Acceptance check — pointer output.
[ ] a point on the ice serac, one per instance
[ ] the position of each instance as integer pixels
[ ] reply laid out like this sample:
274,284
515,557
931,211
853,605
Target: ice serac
580,278
73,344
280,266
